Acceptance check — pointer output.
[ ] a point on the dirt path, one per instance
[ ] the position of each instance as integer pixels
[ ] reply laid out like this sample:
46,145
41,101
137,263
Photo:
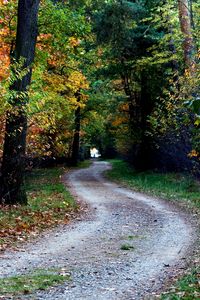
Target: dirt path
92,250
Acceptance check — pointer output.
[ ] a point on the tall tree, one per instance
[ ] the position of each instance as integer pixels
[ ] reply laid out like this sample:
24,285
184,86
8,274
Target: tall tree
76,140
122,28
185,23
13,165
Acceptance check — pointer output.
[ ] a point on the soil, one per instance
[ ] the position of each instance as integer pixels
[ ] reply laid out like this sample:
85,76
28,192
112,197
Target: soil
126,248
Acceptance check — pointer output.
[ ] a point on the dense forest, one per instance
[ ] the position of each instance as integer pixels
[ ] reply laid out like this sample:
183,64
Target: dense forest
121,76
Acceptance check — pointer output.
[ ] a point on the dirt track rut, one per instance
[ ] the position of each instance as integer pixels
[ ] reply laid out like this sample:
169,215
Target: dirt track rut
93,250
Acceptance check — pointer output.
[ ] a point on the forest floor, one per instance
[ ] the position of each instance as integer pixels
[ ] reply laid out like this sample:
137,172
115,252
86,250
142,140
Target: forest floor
127,246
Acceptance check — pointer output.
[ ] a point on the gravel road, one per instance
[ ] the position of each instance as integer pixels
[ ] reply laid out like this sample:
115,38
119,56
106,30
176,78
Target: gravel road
93,250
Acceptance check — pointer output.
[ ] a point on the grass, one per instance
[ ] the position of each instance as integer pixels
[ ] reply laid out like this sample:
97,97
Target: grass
84,164
126,247
37,280
132,237
187,288
173,186
49,204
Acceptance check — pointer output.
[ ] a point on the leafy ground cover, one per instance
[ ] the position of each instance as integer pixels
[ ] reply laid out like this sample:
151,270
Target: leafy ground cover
37,280
49,204
187,288
173,186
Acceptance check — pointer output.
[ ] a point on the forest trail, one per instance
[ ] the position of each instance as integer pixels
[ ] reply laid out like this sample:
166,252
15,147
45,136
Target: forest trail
126,248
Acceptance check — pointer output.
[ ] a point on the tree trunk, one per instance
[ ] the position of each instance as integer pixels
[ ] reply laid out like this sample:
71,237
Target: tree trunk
13,165
185,24
191,15
76,140
143,159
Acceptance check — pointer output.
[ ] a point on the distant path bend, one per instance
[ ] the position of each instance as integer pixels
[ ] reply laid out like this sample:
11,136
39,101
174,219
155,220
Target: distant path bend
129,246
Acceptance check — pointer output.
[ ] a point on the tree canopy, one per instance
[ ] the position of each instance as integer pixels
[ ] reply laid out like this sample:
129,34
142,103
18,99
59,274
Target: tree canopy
122,76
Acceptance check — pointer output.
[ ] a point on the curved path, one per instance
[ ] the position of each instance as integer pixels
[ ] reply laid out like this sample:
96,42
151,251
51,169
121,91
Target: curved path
93,250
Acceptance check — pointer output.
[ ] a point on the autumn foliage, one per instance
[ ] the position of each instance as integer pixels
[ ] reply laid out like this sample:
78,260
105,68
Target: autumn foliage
123,71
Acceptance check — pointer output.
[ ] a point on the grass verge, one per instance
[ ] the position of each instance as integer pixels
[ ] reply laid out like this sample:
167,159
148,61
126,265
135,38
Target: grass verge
29,283
187,288
173,186
84,164
49,204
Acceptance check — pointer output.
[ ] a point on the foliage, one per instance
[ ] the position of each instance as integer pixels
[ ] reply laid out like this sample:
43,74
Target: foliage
56,76
57,81
149,47
124,59
178,104
122,64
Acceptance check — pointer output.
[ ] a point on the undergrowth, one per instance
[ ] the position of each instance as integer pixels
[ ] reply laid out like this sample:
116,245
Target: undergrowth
49,204
173,186
186,288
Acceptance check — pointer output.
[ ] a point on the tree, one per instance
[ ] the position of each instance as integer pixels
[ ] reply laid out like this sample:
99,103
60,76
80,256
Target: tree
76,139
185,24
13,165
124,30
